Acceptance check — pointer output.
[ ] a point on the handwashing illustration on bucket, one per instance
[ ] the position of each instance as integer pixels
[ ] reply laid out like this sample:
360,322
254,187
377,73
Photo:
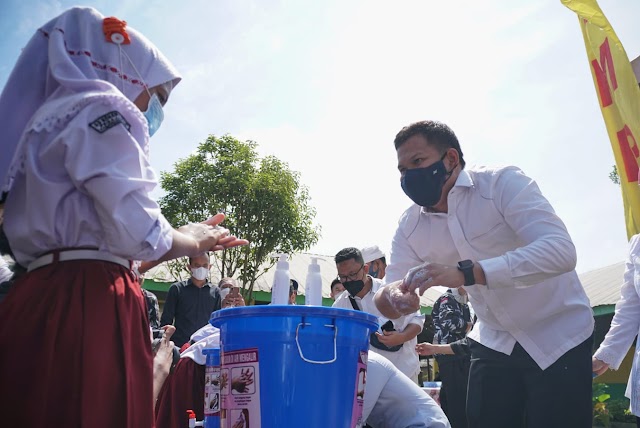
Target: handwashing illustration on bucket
292,366
212,388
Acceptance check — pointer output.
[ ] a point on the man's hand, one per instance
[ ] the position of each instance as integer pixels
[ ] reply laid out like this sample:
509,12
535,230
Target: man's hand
391,338
393,301
426,348
598,367
428,275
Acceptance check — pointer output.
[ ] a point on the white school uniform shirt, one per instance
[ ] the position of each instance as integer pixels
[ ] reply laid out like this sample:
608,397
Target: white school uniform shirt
406,358
625,325
85,182
499,218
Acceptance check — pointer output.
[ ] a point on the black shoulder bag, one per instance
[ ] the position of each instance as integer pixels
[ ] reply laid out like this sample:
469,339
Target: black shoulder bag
373,339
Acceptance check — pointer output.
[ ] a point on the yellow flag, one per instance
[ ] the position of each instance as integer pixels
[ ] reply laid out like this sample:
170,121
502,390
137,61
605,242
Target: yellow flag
619,98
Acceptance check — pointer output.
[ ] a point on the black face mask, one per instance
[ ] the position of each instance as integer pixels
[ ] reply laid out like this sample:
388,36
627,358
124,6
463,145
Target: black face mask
353,287
424,185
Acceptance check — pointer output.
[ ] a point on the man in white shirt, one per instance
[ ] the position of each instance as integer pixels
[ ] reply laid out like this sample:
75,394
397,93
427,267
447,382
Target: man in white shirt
492,231
397,336
391,400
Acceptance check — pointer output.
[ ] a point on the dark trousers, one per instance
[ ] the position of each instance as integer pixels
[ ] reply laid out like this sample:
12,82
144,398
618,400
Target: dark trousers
511,391
454,374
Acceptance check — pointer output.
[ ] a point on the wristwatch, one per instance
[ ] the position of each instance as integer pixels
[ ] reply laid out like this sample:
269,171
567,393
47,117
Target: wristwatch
466,267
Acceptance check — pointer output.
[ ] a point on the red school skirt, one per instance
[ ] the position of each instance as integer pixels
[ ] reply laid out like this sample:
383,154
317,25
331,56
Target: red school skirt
75,349
183,390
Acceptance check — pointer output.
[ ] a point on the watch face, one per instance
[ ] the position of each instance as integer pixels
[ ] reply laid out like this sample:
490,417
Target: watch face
465,264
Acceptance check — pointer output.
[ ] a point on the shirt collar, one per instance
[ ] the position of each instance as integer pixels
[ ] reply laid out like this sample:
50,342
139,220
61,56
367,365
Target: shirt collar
464,180
190,282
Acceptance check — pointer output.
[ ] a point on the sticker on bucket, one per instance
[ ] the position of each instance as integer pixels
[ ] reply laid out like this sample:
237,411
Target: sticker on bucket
212,391
361,380
240,388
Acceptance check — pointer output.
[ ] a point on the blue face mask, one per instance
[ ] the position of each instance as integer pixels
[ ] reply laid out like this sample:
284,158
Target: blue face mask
154,114
424,185
373,273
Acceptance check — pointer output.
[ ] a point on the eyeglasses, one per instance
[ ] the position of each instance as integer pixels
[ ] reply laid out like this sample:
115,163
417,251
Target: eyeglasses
350,277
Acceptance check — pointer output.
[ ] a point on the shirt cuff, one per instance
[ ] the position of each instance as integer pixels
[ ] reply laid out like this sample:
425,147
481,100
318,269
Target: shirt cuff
460,348
160,239
606,355
497,272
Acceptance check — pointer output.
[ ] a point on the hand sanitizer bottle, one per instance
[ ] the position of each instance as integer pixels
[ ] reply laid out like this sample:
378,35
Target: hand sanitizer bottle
280,289
313,286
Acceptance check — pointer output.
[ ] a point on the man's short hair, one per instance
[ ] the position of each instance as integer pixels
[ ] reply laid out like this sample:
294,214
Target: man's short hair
203,254
293,286
335,282
436,133
348,254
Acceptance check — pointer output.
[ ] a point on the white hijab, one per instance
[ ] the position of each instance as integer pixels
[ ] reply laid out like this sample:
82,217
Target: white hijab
70,56
205,338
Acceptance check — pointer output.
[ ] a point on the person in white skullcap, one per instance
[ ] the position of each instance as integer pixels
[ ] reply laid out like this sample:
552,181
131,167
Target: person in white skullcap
376,260
76,116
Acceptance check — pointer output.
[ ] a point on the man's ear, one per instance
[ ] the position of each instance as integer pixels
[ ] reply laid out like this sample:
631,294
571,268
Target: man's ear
453,157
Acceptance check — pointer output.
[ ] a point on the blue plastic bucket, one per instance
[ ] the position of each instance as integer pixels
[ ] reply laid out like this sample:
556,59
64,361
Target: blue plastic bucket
293,366
212,388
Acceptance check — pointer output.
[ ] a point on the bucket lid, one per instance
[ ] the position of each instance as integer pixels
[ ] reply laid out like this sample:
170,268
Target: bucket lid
290,310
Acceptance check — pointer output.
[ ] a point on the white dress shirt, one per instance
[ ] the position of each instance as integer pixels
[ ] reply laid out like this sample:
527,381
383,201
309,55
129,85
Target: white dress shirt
391,400
406,358
499,218
84,188
625,325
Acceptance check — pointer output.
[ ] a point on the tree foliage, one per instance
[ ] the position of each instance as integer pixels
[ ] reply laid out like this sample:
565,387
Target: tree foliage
614,176
263,200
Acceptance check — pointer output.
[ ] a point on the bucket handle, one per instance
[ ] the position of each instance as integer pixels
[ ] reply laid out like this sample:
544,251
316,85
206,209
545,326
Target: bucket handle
335,346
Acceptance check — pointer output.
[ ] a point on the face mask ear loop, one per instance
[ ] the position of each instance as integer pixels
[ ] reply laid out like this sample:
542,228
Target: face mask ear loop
121,68
146,87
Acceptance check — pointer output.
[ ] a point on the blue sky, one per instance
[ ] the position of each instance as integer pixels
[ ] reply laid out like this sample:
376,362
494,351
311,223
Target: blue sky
325,86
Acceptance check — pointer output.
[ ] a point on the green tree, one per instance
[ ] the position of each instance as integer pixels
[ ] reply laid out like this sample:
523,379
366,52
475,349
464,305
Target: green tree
263,199
614,176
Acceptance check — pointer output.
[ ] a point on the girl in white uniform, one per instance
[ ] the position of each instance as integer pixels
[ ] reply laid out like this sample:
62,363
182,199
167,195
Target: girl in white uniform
76,115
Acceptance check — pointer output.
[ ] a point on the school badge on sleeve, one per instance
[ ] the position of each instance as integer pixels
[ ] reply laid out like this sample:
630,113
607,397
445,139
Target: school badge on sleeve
108,121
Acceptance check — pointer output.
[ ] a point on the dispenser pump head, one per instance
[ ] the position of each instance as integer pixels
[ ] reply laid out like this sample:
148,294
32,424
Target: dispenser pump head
314,266
282,261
